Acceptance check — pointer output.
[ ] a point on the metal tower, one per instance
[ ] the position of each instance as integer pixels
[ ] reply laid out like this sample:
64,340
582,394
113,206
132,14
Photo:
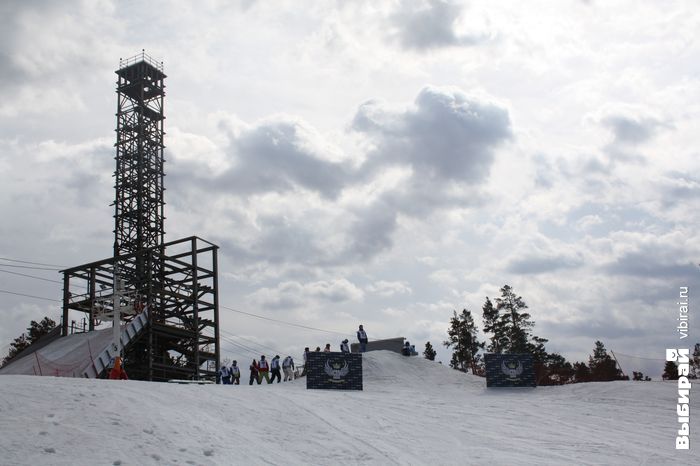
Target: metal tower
177,281
138,205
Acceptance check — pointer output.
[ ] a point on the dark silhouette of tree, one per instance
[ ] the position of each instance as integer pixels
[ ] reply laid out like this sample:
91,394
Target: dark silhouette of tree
35,331
493,326
514,322
695,363
670,371
603,367
511,327
638,376
557,370
429,352
582,373
462,335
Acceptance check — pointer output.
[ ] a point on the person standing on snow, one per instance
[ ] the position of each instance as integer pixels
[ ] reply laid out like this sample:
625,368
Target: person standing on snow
118,372
306,360
225,375
235,372
275,367
288,368
254,373
263,370
362,338
344,346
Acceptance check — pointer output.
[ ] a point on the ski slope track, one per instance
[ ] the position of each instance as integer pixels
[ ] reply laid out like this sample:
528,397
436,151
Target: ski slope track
412,411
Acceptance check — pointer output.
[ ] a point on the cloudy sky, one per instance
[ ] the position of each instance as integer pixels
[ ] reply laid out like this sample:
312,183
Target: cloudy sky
370,162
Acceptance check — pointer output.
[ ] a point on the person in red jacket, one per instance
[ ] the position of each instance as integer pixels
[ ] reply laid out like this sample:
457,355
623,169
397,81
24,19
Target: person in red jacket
118,372
254,373
263,370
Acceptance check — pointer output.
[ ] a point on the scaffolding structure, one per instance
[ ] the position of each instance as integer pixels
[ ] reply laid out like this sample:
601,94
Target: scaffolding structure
139,222
177,281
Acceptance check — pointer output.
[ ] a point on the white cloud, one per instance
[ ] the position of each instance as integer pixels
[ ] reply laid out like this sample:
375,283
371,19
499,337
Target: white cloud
291,294
558,158
386,289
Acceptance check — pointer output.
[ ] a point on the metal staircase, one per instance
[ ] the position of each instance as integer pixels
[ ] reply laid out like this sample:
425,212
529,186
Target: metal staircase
128,334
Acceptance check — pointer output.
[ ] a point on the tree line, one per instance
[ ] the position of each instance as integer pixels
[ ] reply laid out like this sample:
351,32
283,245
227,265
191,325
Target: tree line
35,331
509,329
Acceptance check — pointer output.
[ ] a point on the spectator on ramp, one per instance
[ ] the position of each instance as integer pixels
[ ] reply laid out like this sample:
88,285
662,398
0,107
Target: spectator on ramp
306,360
362,338
118,372
344,347
263,370
275,369
225,375
288,368
254,373
235,373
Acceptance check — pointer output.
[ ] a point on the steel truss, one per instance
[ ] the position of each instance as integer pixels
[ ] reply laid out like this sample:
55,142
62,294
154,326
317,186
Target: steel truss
178,281
182,338
138,205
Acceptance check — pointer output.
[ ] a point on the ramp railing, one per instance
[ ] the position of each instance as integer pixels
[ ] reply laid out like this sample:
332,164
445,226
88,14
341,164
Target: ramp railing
128,334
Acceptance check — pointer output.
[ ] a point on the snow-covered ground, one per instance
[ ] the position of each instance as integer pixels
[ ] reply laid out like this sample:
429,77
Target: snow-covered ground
412,411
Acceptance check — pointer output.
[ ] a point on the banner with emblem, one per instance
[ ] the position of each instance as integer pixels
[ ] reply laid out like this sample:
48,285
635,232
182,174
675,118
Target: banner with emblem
509,370
334,371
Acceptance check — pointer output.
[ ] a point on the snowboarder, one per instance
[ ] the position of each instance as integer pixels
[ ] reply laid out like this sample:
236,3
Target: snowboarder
288,368
362,338
235,372
225,375
263,370
344,347
275,369
254,373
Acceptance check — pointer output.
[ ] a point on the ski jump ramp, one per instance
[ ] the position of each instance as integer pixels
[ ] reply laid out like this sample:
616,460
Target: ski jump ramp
78,355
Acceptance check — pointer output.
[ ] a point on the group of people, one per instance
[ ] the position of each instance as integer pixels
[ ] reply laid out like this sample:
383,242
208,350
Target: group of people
261,369
230,375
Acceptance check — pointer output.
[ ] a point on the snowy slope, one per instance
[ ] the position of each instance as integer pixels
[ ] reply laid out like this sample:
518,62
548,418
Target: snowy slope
65,356
411,411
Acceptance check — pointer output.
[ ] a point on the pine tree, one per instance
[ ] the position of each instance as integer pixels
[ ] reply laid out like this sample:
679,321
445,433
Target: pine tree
462,334
603,367
510,327
35,331
581,372
429,352
493,326
557,369
695,363
639,376
670,371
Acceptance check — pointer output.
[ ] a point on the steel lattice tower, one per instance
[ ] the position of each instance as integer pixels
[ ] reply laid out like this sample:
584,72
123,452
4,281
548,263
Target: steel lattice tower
176,281
138,205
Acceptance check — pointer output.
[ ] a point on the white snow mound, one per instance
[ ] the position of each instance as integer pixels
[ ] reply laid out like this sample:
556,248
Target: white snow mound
411,411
